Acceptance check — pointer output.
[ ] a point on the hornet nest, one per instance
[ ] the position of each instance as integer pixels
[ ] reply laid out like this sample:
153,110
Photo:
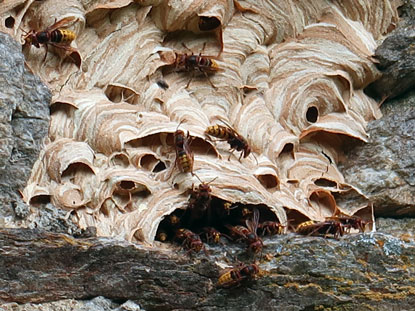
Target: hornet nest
291,82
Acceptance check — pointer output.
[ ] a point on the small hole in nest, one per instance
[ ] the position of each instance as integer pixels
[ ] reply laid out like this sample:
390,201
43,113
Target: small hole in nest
208,23
129,188
323,182
295,217
269,181
287,152
142,194
202,146
148,162
9,22
75,168
62,107
148,141
127,184
324,200
162,84
312,114
40,199
118,94
212,220
287,148
159,167
120,160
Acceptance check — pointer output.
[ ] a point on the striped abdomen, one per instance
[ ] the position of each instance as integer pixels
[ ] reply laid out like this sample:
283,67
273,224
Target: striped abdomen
184,161
324,227
198,62
229,278
306,227
218,131
63,36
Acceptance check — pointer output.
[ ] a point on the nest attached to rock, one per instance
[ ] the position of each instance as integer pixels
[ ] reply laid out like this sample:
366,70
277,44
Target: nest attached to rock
291,82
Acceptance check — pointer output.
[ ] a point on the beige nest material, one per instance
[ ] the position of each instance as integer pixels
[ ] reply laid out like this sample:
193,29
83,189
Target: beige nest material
287,76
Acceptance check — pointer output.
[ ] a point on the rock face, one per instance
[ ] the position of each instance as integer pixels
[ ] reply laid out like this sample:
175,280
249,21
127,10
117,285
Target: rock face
395,56
396,61
372,271
24,122
96,304
384,167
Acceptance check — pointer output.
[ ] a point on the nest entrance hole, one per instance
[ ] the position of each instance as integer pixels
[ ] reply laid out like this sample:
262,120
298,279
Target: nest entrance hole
152,163
325,202
40,200
202,146
67,108
120,159
312,114
129,186
160,166
197,145
208,23
152,140
269,181
75,169
295,218
219,215
324,182
9,22
288,148
119,94
287,153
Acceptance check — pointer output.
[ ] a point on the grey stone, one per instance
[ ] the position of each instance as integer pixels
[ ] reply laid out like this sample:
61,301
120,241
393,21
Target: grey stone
403,228
396,62
53,219
129,306
371,271
24,121
21,209
384,168
96,304
395,56
407,11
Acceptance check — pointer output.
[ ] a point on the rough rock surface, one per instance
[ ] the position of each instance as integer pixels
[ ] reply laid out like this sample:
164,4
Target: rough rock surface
24,122
384,167
96,304
403,228
372,271
395,56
